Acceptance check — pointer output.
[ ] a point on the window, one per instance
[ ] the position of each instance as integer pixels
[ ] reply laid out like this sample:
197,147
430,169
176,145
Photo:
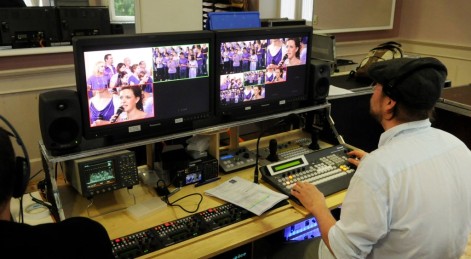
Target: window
121,11
296,9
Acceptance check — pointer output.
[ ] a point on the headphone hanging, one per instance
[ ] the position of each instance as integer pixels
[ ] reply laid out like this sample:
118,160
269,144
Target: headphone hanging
21,164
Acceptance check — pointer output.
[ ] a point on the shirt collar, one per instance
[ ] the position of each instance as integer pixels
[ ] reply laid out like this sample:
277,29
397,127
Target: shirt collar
388,135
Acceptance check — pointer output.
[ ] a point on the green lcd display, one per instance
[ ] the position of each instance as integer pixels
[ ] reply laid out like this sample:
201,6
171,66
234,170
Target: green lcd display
287,165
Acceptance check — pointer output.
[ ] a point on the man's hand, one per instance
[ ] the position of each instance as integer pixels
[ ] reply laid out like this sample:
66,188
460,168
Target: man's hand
311,198
355,156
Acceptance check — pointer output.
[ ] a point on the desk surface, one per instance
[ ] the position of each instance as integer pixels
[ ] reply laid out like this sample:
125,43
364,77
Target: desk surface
110,210
456,99
459,96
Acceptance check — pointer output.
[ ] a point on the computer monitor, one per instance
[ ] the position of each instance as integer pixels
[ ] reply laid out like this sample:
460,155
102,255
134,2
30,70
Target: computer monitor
163,83
28,27
83,21
269,73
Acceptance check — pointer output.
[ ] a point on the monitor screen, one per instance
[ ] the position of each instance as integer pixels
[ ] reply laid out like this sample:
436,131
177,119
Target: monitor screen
28,27
261,71
99,174
144,85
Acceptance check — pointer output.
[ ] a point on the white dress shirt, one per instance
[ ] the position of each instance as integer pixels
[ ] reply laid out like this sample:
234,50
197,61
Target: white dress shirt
410,198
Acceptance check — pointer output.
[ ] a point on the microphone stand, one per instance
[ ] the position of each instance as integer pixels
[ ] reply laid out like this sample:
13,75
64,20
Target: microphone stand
284,120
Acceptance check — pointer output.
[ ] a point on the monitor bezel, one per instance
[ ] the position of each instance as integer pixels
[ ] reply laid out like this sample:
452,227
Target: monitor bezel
149,127
262,107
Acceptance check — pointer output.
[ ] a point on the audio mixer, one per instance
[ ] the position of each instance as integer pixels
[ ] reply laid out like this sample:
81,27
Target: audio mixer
179,230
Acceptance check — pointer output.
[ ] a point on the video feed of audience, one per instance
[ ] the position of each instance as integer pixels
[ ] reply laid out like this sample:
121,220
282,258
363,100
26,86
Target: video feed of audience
247,67
120,82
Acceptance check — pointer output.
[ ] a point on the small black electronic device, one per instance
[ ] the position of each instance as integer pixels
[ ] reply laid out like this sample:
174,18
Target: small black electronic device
327,168
104,173
28,27
197,171
303,230
170,233
281,22
234,160
83,21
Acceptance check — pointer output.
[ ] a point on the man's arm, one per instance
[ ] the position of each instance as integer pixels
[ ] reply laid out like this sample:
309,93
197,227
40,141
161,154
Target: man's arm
314,201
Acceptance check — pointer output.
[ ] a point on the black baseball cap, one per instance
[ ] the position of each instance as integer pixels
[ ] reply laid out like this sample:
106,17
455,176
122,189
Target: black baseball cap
415,82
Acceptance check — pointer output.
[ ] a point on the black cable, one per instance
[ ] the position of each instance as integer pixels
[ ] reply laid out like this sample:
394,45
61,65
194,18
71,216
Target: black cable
54,212
34,175
55,171
186,196
21,218
162,188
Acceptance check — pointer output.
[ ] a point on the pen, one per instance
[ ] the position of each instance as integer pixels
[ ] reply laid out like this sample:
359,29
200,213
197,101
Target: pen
207,181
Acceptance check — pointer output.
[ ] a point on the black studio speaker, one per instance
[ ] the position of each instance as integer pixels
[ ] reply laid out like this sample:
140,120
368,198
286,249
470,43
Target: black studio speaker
60,120
319,81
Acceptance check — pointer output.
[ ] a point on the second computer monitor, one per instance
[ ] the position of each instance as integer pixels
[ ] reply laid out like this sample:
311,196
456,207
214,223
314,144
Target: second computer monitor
261,71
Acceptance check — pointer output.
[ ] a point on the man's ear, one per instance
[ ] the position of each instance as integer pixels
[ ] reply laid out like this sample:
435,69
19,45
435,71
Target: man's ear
389,105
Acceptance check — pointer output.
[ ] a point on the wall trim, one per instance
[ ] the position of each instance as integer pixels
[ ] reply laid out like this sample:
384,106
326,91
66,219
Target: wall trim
422,48
36,79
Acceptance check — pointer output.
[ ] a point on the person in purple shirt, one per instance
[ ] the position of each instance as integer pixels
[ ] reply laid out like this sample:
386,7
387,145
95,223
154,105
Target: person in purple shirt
183,66
199,59
97,80
159,67
172,68
110,69
274,52
245,60
204,50
134,77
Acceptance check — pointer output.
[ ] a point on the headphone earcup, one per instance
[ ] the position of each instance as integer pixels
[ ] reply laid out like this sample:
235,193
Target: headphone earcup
22,174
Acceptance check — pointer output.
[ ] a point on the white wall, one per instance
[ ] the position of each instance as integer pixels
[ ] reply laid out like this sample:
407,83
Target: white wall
168,15
268,8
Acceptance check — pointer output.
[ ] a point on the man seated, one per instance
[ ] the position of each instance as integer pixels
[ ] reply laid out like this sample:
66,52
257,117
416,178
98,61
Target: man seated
411,197
76,237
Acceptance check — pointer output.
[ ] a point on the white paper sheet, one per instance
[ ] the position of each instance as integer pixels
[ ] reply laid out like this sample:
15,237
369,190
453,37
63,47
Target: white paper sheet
253,197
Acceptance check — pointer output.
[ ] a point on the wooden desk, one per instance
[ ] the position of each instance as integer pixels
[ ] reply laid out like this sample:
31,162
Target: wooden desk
110,210
453,112
456,99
